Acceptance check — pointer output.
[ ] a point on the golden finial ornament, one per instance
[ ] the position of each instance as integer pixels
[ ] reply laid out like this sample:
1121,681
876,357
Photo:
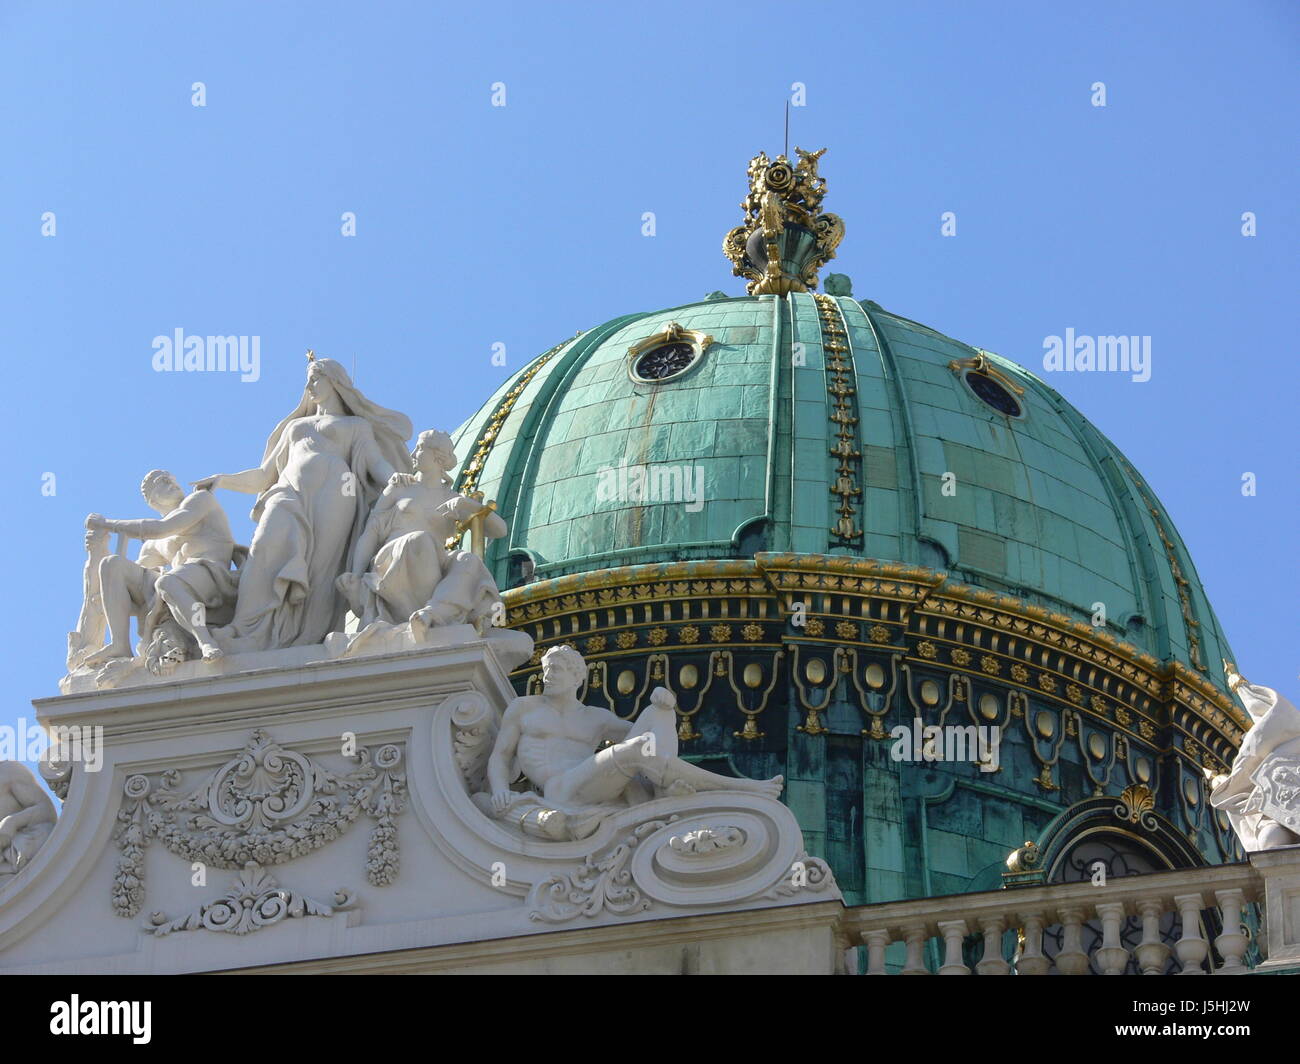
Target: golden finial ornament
311,354
785,239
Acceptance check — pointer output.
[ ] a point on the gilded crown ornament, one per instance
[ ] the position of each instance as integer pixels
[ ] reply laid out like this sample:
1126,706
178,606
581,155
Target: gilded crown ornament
784,240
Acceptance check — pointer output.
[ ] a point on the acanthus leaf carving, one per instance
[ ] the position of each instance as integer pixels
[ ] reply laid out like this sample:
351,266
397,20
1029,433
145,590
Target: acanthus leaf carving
707,840
255,901
599,884
806,873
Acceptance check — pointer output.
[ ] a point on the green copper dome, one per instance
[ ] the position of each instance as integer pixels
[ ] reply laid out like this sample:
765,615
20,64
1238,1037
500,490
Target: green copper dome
792,392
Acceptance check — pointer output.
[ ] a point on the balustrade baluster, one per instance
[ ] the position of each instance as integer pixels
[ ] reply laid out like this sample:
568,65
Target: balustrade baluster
1231,944
1152,953
1072,960
1191,948
992,963
876,943
953,932
916,938
1112,957
1031,960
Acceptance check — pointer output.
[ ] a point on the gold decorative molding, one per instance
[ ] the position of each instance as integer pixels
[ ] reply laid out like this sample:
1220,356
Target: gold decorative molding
668,334
1023,859
980,363
840,380
1136,804
473,469
1193,625
671,333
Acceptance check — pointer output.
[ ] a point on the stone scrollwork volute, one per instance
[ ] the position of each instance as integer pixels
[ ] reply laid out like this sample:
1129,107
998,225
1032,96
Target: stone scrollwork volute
57,776
265,806
474,730
682,860
807,873
600,884
255,901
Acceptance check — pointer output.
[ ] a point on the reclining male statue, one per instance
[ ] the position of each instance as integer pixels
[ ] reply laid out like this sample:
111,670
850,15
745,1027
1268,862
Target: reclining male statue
553,740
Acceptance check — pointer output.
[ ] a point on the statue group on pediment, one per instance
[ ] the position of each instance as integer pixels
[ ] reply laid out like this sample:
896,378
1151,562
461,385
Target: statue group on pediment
345,520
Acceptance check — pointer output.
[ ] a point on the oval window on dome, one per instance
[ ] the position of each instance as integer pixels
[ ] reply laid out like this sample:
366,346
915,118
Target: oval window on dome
666,354
665,361
991,393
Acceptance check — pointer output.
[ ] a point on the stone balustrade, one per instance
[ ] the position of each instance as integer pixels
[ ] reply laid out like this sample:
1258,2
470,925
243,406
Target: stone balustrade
1078,913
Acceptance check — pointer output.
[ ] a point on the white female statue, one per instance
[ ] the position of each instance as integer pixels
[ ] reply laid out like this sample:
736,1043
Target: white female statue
324,466
401,568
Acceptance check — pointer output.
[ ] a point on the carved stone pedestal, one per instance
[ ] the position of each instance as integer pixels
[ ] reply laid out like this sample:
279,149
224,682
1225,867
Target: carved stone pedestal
318,815
1280,869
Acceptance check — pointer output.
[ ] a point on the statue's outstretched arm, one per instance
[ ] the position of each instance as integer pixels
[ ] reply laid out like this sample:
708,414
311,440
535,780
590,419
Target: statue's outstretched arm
251,481
182,519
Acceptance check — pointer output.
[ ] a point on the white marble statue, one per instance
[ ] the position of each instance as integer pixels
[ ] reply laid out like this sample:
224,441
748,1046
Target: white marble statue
401,568
27,817
1261,795
556,742
323,468
181,580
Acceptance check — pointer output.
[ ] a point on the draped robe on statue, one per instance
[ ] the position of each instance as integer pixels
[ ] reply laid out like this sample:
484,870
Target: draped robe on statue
328,470
414,569
1264,785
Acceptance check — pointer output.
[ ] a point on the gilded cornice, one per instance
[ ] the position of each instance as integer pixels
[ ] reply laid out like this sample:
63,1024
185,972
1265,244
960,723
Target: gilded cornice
922,614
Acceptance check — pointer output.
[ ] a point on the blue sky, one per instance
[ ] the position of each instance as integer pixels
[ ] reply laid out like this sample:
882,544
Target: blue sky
522,224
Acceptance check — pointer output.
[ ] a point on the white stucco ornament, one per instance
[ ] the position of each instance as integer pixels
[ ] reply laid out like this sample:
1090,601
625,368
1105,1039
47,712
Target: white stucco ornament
1261,795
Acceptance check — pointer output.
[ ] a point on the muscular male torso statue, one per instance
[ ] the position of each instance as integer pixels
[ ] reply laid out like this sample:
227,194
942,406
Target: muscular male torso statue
552,742
553,738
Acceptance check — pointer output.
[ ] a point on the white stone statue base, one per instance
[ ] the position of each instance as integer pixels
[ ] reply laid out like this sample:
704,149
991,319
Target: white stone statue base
1280,898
